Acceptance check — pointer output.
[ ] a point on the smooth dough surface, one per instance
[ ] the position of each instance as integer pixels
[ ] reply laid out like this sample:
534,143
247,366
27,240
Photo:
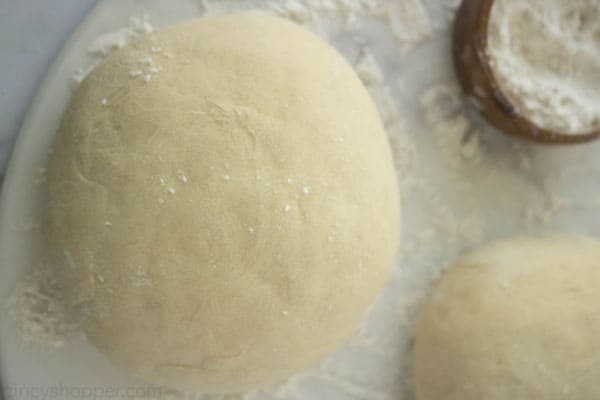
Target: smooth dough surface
518,319
222,199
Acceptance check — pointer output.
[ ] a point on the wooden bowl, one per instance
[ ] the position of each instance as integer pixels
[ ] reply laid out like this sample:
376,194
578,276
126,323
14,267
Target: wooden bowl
476,76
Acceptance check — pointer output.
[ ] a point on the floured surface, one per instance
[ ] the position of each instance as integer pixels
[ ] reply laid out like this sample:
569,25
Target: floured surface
462,183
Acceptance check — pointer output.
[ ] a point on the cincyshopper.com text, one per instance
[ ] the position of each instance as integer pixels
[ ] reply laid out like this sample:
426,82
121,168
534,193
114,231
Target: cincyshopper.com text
62,391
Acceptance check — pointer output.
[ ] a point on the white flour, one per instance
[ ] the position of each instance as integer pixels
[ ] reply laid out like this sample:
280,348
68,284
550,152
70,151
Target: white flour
110,41
38,307
367,69
409,21
546,58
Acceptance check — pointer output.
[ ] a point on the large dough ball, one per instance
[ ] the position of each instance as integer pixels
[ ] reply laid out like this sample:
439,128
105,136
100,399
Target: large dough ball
518,319
223,201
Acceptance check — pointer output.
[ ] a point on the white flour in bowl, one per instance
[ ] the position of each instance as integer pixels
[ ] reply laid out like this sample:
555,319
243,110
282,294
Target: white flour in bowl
546,58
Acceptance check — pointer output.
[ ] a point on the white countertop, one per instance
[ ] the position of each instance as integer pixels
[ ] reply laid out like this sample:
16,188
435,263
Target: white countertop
32,32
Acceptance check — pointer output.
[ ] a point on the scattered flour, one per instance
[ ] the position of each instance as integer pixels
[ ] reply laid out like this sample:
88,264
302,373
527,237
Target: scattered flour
409,22
457,139
546,58
482,175
367,69
38,307
104,44
108,42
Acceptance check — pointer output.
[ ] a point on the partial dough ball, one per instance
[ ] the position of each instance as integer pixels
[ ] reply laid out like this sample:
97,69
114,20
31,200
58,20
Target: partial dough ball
222,199
518,319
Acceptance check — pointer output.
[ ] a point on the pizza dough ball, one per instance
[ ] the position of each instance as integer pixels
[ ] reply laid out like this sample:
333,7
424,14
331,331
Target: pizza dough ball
222,199
518,319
